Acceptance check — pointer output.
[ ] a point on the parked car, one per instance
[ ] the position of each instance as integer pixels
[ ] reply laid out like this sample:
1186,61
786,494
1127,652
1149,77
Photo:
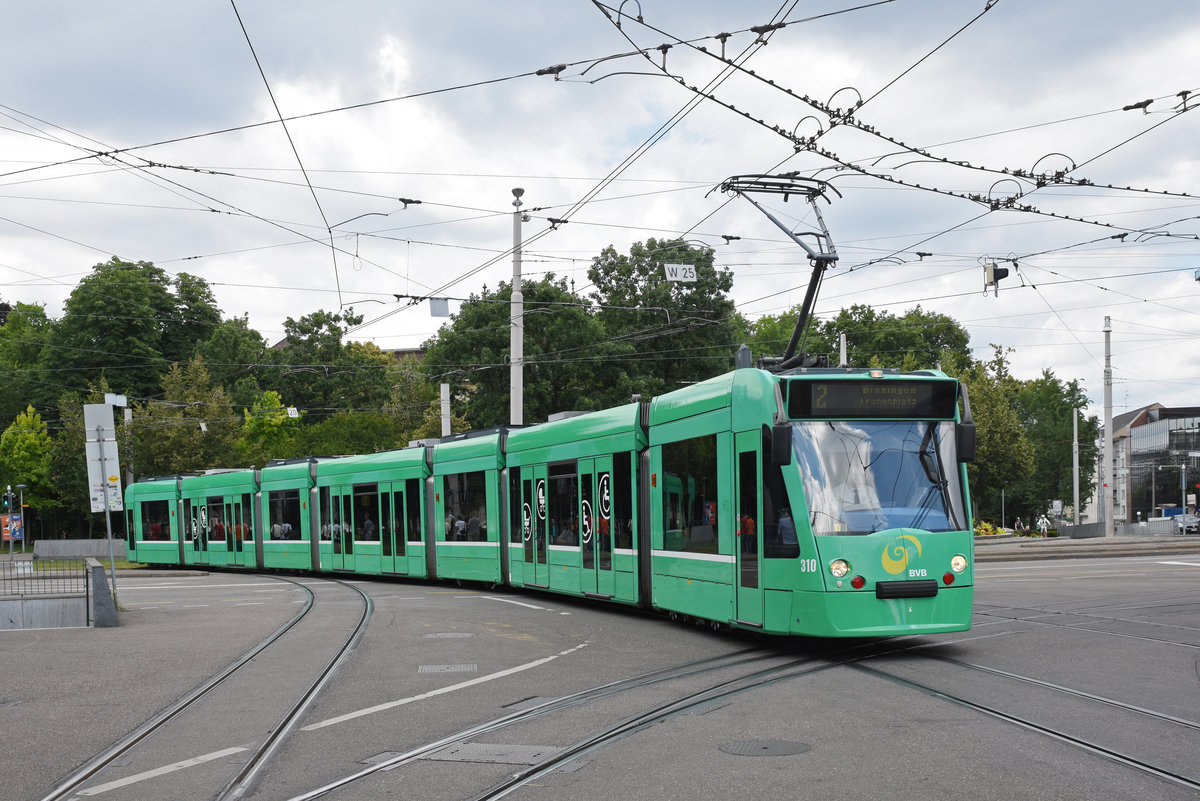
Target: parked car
1187,524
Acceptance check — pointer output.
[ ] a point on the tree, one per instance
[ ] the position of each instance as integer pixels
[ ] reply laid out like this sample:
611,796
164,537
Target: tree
268,432
122,322
234,353
25,329
1004,455
349,433
1046,406
68,464
411,395
689,331
25,452
319,374
915,341
569,365
191,428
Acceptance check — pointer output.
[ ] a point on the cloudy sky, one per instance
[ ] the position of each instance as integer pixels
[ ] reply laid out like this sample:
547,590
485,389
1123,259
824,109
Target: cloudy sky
955,131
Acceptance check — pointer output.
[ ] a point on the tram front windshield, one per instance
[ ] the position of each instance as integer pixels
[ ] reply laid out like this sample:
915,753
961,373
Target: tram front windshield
864,476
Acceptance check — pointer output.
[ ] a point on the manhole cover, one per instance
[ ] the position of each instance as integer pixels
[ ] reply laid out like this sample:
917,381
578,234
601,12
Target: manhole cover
765,748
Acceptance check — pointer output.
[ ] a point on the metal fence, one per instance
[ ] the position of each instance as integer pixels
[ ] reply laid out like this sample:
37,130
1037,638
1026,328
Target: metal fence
28,578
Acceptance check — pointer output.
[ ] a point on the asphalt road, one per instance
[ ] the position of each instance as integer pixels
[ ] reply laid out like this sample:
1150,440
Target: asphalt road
1069,662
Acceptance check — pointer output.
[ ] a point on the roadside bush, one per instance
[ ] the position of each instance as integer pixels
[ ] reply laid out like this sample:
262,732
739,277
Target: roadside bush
984,528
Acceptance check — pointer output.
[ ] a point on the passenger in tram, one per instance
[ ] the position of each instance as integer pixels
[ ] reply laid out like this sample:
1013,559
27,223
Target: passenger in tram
789,544
473,530
369,528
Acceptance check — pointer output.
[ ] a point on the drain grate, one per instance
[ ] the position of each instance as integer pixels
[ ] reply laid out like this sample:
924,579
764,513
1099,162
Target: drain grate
448,668
494,753
765,748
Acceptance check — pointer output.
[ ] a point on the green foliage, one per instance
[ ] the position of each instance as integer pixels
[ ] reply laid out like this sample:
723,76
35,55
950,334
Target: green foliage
124,322
349,433
233,351
669,333
917,340
568,363
268,431
320,374
1004,453
984,528
25,329
25,459
191,428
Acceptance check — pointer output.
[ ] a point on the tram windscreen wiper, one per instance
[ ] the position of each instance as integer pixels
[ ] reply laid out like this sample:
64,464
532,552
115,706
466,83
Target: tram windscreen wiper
933,471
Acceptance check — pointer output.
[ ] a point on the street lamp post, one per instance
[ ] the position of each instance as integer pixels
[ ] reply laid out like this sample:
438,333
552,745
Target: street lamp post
516,349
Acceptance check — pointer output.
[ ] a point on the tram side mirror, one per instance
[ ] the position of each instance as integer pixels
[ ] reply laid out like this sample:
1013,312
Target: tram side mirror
781,444
965,441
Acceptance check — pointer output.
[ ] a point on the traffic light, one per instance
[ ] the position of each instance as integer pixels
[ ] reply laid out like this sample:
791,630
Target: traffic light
992,275
7,501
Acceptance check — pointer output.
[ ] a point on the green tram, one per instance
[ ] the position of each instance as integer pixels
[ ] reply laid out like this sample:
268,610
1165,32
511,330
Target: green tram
821,502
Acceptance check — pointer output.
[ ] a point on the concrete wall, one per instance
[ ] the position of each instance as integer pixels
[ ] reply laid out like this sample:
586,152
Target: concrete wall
77,549
43,612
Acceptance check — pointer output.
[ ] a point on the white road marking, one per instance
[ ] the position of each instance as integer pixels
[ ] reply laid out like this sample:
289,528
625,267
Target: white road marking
517,603
151,774
441,691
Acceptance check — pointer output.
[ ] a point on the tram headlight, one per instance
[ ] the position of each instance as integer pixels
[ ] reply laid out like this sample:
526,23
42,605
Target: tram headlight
839,568
959,563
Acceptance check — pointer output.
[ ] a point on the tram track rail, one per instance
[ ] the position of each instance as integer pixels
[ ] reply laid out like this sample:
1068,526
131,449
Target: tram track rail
790,667
1056,733
261,753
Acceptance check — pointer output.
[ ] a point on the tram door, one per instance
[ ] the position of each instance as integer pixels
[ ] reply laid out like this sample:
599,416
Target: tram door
394,535
533,524
234,531
748,491
342,528
198,522
595,526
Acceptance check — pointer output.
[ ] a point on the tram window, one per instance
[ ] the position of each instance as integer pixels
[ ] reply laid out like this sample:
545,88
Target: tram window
189,520
466,507
562,504
622,500
603,516
748,491
412,488
689,484
156,520
284,514
779,526
247,530
587,521
366,512
323,513
216,518
514,505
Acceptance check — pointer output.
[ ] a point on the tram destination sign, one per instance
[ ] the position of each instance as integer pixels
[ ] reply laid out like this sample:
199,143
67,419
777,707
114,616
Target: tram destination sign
854,399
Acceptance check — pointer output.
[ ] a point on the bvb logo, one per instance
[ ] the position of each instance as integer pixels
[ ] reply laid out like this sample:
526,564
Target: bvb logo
896,555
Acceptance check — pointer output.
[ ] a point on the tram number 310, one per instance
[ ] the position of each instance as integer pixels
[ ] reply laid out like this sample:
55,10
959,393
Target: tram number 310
808,565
